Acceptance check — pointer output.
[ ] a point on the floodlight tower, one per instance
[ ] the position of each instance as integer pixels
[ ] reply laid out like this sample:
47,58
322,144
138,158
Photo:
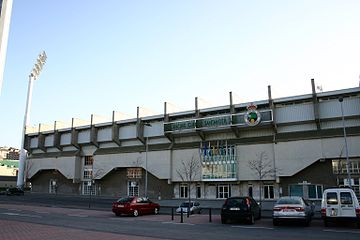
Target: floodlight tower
34,74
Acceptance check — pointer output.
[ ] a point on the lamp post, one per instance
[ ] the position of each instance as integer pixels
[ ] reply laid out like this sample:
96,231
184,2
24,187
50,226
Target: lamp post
34,74
146,160
346,145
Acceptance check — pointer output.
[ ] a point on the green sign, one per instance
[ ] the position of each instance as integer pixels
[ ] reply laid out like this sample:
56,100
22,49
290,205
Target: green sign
176,126
213,122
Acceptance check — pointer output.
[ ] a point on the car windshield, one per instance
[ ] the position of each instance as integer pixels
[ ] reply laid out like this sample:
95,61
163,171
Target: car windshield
186,204
289,201
125,200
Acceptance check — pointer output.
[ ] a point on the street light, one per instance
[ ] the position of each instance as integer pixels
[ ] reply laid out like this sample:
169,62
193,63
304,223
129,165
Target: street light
34,74
346,145
146,160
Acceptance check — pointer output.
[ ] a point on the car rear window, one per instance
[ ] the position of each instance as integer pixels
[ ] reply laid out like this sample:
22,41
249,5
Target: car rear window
331,198
125,200
235,202
345,198
289,201
186,204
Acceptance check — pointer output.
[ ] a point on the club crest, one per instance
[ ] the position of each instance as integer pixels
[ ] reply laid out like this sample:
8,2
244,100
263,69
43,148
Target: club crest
252,116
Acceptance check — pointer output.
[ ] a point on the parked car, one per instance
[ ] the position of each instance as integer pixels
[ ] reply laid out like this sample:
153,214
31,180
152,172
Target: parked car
14,191
135,206
292,209
194,207
340,204
240,208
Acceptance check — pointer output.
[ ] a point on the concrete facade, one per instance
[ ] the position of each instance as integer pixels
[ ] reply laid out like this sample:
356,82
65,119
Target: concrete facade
295,140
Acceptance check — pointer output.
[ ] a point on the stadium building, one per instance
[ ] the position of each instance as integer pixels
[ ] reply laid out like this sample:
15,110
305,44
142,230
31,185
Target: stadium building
286,146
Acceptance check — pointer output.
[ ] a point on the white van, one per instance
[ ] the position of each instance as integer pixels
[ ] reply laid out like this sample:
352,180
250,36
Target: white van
340,204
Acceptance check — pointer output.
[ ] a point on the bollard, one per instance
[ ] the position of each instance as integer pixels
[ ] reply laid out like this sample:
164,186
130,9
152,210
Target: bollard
182,216
172,214
210,220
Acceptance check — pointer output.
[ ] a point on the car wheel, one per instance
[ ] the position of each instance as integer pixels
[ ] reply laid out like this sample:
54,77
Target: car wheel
136,213
223,220
275,222
252,219
118,214
156,211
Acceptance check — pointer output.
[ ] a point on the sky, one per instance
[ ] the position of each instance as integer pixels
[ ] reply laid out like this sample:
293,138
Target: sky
117,55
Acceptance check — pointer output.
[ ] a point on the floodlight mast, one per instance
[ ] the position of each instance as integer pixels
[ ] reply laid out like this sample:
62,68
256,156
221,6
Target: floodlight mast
34,74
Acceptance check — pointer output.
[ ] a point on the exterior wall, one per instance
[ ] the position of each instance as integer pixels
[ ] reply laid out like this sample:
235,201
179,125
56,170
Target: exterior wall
247,153
296,135
115,184
41,183
65,165
184,156
158,163
320,172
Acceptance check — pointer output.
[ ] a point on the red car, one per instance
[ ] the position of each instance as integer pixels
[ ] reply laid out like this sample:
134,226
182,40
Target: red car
135,206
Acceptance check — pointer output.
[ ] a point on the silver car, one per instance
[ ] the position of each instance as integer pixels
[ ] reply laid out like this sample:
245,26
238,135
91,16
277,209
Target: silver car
194,207
292,209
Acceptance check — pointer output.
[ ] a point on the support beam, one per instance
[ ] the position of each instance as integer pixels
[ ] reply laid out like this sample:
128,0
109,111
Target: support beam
232,107
74,138
93,133
272,107
197,111
57,140
41,142
115,131
236,131
93,136
201,134
315,105
115,134
139,128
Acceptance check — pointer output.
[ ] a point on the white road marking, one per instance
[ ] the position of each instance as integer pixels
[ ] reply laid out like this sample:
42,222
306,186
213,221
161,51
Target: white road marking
248,227
341,231
177,223
22,215
41,212
77,215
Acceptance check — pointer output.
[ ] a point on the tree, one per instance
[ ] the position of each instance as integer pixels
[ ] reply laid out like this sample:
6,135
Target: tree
188,172
262,168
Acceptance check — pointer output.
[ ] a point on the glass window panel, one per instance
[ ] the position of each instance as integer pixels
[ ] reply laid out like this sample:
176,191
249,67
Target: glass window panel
296,190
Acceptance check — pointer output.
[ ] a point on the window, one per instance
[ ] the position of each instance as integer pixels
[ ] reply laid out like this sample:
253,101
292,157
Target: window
89,160
339,166
331,198
345,198
133,188
250,191
314,191
52,186
88,188
183,191
223,191
268,192
296,190
87,174
198,191
134,172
